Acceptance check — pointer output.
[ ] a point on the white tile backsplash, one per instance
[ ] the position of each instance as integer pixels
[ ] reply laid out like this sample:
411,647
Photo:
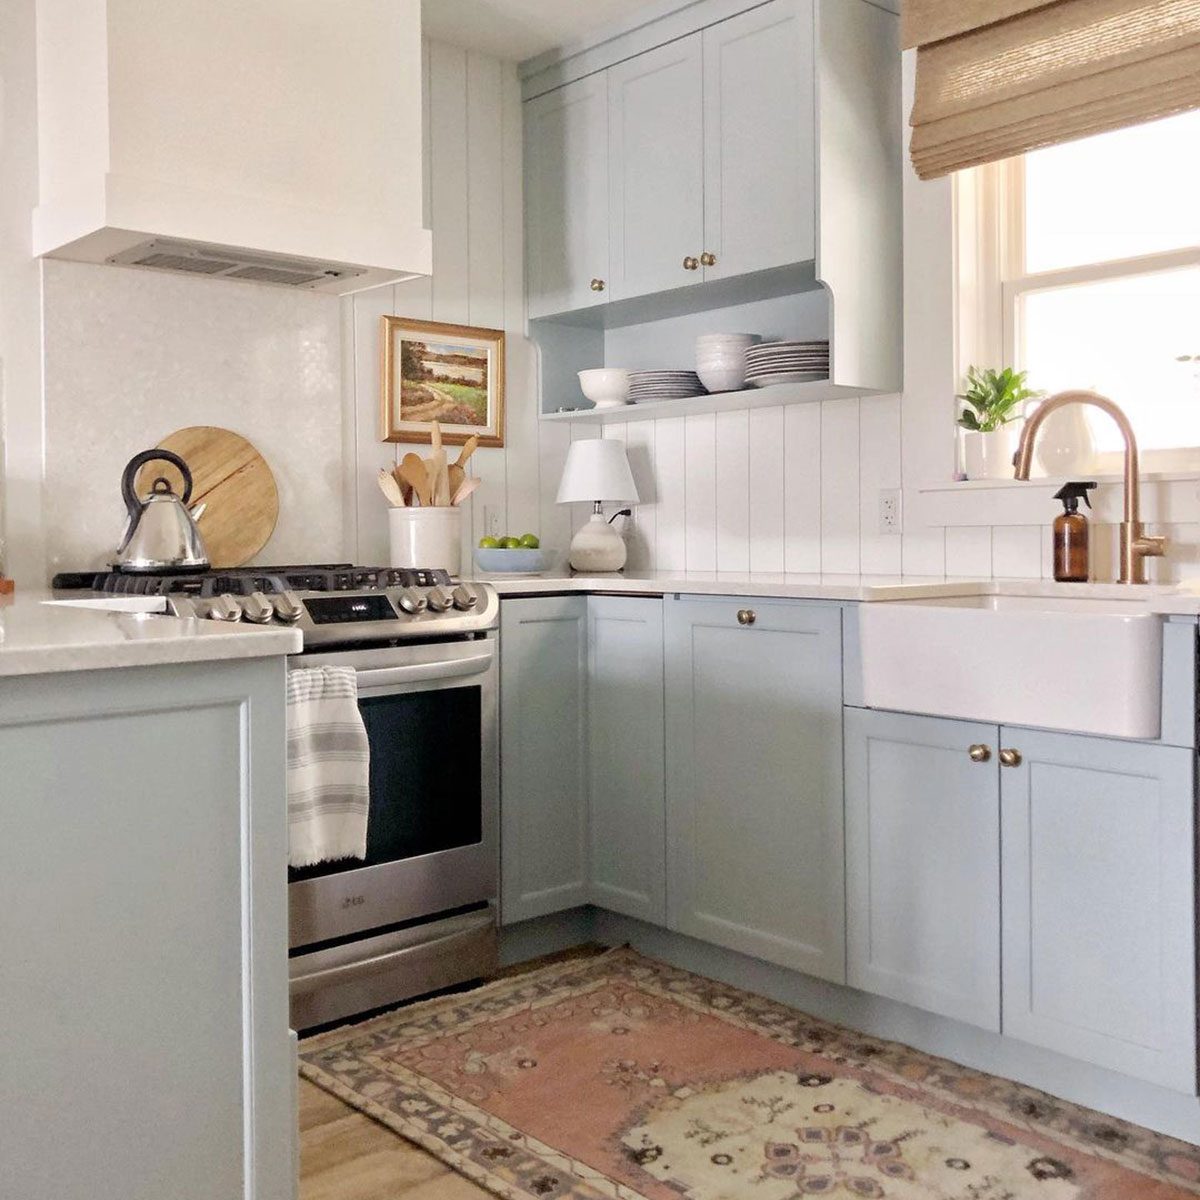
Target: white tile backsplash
132,355
969,551
1017,552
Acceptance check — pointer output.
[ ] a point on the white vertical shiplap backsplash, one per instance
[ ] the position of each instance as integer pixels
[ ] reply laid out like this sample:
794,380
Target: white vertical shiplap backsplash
793,488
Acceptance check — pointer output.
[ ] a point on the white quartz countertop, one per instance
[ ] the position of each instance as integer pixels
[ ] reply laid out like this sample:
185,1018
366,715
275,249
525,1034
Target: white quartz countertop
39,636
1165,599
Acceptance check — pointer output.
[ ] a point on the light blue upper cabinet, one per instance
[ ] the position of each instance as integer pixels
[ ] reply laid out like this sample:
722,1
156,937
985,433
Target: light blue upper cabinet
754,779
543,776
923,863
566,196
1099,903
759,133
656,169
625,722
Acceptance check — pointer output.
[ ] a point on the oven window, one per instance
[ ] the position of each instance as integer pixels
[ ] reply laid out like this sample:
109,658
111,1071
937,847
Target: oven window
426,790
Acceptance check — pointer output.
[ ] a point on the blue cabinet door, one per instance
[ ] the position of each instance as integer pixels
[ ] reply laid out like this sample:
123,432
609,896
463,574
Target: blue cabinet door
923,863
566,197
1099,902
754,779
656,169
543,777
626,768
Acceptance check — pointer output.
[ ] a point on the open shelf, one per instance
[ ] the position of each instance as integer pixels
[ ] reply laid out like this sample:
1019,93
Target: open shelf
764,397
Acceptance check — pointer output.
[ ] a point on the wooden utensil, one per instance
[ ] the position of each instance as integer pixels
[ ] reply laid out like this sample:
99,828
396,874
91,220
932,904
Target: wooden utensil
439,486
390,488
468,448
233,481
412,471
455,476
465,489
405,490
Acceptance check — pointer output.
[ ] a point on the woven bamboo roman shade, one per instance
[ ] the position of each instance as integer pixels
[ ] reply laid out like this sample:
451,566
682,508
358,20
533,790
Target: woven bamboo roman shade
998,77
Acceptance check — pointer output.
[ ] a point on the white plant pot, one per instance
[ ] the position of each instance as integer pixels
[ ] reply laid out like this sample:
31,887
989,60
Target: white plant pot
989,455
427,538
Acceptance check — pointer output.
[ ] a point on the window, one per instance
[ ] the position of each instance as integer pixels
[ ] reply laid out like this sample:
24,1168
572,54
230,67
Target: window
1090,268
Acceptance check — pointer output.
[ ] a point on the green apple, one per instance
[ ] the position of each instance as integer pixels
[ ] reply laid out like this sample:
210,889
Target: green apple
510,543
529,541
489,543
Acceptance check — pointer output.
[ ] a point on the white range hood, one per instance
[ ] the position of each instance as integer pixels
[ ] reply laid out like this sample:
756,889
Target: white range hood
273,141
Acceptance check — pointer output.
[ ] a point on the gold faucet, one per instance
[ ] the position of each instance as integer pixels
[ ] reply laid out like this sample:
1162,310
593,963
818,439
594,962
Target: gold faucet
1136,545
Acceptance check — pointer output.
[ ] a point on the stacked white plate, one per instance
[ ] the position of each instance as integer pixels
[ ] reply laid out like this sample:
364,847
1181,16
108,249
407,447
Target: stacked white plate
721,360
786,362
663,385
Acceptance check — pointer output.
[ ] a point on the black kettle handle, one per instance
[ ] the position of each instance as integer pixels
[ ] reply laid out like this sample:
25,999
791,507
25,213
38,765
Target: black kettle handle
136,463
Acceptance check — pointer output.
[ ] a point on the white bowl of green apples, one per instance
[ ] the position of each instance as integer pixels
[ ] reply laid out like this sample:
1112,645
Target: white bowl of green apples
513,555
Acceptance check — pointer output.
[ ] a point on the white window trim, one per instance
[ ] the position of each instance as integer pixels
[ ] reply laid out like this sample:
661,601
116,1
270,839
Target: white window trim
990,242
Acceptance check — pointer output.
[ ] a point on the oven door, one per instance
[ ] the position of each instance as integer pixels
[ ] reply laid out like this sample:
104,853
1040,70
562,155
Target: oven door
432,834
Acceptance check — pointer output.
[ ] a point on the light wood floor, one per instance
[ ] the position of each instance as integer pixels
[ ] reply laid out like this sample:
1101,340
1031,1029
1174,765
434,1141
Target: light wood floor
346,1156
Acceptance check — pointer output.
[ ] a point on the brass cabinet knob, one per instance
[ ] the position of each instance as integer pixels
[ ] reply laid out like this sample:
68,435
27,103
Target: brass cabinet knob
708,259
1010,758
597,285
747,616
691,264
980,753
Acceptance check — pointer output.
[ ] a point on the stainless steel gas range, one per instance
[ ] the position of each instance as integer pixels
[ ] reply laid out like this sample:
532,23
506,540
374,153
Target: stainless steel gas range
419,914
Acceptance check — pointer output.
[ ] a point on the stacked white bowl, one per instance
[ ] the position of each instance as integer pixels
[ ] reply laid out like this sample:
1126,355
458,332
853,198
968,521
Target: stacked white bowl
721,360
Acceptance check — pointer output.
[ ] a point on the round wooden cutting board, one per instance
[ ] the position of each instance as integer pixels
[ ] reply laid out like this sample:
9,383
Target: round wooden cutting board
232,479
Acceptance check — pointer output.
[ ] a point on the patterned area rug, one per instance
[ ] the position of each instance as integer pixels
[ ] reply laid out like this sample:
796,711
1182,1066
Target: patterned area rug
621,1077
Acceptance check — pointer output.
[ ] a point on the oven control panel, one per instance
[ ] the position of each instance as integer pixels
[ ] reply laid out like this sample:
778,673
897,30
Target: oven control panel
432,607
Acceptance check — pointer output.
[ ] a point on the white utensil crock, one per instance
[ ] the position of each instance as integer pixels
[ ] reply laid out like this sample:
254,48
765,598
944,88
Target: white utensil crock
428,538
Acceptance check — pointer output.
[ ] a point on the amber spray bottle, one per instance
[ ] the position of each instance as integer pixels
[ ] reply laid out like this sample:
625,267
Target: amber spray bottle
1072,552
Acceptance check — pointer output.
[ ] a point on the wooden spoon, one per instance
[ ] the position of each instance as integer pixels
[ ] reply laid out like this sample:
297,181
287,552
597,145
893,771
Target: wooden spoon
435,468
455,476
465,489
405,490
390,488
412,471
468,448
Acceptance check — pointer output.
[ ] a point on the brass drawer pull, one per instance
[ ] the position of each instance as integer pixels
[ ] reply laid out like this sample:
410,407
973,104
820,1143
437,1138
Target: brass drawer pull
980,753
708,259
1010,758
691,264
597,285
747,616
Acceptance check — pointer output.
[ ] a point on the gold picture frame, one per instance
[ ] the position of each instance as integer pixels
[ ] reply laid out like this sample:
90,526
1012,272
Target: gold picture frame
452,374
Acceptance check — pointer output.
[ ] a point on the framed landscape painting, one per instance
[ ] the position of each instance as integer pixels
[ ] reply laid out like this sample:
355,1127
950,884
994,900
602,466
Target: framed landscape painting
452,374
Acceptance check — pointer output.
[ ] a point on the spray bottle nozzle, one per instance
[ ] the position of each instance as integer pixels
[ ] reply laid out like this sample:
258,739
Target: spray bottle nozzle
1071,493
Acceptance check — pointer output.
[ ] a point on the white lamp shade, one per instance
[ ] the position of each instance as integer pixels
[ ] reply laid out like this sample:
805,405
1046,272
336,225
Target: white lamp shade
597,469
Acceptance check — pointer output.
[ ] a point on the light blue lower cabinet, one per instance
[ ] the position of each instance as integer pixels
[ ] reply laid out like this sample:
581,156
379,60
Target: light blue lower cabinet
754,779
923,863
543,752
627,796
1099,903
143,935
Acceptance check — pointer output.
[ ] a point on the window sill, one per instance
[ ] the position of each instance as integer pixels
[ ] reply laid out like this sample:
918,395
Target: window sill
1168,497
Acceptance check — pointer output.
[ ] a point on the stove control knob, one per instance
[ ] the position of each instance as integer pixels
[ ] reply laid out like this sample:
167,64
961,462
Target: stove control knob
411,601
464,599
438,600
258,609
288,607
225,608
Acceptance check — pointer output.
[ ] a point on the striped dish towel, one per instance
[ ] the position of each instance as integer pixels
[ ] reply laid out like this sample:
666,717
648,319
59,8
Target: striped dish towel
328,762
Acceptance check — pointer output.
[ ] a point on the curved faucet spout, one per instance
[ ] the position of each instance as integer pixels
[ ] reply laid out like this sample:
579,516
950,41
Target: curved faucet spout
1136,546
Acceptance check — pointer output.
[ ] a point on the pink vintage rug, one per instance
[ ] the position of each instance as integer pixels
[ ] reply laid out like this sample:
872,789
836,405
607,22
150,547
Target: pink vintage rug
621,1077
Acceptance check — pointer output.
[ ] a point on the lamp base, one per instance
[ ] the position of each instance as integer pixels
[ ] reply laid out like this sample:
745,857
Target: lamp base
597,547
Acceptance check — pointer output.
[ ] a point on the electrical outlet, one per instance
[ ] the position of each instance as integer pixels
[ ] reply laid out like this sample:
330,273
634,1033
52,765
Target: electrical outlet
889,510
491,521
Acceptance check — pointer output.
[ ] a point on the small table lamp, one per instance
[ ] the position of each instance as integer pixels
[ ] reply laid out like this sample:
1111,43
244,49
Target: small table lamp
597,470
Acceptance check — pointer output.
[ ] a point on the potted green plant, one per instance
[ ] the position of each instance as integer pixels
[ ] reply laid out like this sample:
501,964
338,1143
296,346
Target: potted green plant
992,402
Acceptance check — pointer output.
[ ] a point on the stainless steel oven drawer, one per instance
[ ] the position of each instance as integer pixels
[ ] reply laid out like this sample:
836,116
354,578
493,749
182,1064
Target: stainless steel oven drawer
342,981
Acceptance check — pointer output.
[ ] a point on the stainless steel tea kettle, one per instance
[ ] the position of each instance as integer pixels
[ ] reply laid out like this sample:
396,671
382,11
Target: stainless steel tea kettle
161,534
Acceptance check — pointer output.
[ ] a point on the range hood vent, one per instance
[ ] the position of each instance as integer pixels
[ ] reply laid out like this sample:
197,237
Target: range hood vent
226,262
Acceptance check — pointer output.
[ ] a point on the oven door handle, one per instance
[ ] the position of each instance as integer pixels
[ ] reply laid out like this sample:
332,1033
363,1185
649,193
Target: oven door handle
377,677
